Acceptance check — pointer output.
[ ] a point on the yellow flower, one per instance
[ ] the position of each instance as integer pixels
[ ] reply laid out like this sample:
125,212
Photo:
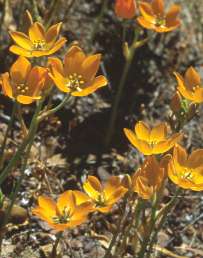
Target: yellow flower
71,209
104,196
148,178
190,86
77,75
151,141
153,16
24,83
38,42
187,170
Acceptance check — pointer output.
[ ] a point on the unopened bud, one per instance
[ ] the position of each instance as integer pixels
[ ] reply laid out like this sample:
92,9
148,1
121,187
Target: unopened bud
126,51
176,102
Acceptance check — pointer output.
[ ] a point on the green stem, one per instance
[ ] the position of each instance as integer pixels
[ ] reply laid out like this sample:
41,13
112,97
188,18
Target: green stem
21,149
164,213
152,224
98,20
121,85
54,110
7,133
32,131
118,231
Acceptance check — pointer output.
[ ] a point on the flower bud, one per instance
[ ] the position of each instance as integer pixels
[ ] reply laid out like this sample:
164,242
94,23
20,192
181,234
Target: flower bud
176,102
125,8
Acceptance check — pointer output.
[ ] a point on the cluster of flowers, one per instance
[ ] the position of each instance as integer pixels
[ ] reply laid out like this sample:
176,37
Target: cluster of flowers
26,84
77,76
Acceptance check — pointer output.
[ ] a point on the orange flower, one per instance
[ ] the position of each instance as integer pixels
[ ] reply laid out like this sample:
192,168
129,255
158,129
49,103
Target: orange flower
104,196
38,42
71,209
149,178
125,8
190,86
77,75
187,170
24,83
151,141
153,16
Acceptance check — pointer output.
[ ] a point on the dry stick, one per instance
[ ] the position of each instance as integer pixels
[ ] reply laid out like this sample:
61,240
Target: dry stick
7,133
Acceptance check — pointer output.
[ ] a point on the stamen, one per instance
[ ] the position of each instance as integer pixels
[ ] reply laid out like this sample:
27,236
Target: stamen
75,82
39,44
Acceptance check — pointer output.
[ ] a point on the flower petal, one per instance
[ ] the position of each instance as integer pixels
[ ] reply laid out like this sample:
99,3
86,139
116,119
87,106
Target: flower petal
59,44
90,67
196,159
56,63
192,78
111,185
73,60
20,51
66,200
98,82
142,131
36,32
93,187
59,80
36,79
145,24
147,12
198,95
6,86
158,7
158,133
21,39
20,70
171,16
48,205
26,100
52,33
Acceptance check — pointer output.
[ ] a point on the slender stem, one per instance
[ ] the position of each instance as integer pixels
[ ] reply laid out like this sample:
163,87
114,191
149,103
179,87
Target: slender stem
116,234
33,129
21,149
54,249
54,110
164,213
22,122
7,133
98,20
121,85
151,226
114,112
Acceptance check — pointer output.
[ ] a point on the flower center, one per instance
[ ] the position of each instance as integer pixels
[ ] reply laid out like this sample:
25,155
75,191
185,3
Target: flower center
101,201
39,44
21,88
160,21
187,174
62,218
75,82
